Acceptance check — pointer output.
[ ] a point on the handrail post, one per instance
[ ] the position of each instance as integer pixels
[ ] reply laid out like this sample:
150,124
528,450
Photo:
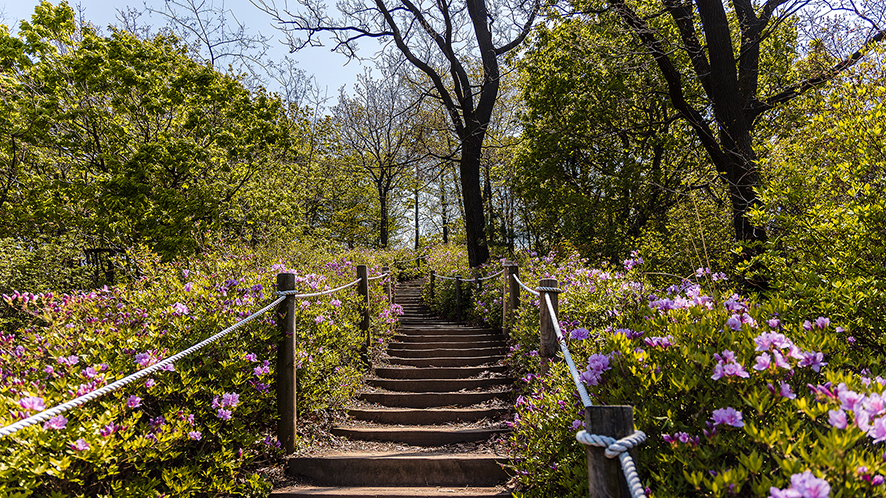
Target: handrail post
458,297
548,347
286,360
363,292
605,477
511,302
433,274
387,281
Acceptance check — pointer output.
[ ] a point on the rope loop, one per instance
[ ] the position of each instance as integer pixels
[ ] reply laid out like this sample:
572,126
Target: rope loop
619,448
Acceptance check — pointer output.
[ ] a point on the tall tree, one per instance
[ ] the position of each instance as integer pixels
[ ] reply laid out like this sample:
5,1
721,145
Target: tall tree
712,54
379,129
442,40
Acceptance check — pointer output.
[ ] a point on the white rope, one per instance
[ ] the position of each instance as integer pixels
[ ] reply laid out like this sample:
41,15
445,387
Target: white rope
56,410
408,260
378,276
620,449
492,276
315,294
528,289
582,391
447,278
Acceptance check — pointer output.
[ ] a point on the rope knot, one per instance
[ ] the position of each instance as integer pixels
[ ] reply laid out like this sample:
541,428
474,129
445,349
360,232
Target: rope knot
619,448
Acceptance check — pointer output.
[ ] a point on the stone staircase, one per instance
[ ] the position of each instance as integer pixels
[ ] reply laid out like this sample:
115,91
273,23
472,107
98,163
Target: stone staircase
440,397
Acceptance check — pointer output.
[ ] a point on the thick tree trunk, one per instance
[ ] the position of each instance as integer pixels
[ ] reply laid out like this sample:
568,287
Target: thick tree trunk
475,226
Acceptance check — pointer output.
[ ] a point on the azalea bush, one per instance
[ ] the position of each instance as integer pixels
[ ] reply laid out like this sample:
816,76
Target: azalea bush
199,427
739,397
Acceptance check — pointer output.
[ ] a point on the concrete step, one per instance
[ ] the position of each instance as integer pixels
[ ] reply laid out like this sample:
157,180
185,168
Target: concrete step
437,385
407,469
439,336
391,492
436,372
444,343
431,400
418,436
446,361
443,352
426,416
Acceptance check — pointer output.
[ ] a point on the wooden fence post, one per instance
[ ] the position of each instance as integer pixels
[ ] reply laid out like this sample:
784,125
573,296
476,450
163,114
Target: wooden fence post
458,297
387,281
510,297
363,291
548,346
286,360
433,274
605,476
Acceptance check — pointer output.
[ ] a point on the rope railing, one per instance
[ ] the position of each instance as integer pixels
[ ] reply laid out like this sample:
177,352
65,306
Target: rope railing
407,260
382,275
582,391
294,293
59,409
614,447
525,287
488,277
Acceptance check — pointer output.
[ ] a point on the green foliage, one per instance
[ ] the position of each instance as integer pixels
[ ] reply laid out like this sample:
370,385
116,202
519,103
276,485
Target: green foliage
824,208
662,355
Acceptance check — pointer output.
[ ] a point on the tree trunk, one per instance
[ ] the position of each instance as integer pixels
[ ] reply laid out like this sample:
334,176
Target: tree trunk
445,210
475,226
383,218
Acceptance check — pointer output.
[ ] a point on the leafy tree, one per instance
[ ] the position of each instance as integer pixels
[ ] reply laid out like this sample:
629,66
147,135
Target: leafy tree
126,140
727,64
825,210
379,130
603,157
432,37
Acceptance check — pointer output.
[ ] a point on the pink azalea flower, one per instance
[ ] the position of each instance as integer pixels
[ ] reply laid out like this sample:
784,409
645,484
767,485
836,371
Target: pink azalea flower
837,418
32,403
810,486
195,435
822,322
133,401
763,362
56,423
223,414
728,416
80,445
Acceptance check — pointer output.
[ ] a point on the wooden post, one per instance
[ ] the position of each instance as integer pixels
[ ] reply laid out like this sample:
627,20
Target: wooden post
605,476
513,302
433,274
363,291
458,297
548,347
387,281
286,360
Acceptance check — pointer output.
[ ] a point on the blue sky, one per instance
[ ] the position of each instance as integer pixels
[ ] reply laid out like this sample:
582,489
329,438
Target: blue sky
329,68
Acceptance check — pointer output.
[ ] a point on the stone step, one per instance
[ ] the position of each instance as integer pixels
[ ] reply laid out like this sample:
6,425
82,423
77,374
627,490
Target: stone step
443,352
437,385
391,492
446,361
406,469
431,400
426,416
446,344
438,337
436,372
418,436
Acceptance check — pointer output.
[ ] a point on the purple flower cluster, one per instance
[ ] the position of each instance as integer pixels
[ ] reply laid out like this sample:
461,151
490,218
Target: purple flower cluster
659,342
727,366
804,485
680,438
728,416
597,364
